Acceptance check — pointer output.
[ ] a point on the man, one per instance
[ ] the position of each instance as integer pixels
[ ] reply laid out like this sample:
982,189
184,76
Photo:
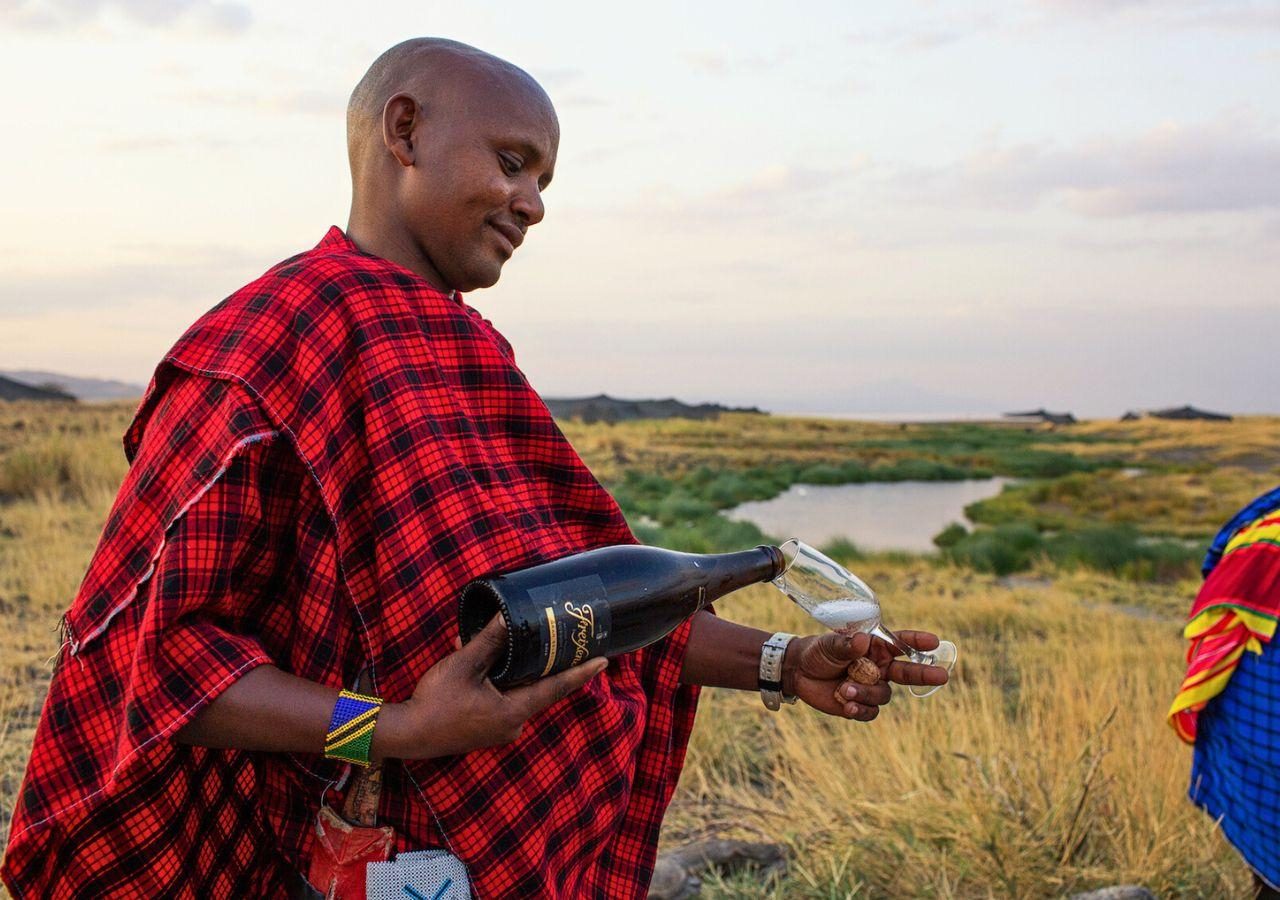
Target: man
320,464
1229,702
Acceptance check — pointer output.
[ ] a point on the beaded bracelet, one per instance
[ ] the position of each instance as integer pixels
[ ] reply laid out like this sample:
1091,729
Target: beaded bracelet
351,729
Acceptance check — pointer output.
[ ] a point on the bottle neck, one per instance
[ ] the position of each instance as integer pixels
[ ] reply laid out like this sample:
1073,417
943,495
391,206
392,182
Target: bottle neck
731,571
777,562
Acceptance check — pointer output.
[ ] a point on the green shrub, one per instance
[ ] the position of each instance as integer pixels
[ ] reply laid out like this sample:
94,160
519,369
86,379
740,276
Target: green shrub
710,534
682,506
1122,550
1026,463
842,550
1006,548
950,536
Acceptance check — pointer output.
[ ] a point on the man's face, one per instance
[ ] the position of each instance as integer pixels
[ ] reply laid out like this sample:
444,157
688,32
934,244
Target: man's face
481,162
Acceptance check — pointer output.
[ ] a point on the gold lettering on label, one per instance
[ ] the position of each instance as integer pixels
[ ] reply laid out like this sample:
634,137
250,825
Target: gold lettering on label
551,644
582,632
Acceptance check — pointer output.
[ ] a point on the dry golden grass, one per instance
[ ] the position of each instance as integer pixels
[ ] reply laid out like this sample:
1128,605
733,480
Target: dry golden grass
1251,442
738,440
1046,767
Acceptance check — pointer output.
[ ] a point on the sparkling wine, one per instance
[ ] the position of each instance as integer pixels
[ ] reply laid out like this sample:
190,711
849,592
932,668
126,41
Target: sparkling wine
603,602
843,615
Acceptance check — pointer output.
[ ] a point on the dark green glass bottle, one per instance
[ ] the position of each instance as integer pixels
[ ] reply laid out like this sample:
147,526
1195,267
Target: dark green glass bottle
602,602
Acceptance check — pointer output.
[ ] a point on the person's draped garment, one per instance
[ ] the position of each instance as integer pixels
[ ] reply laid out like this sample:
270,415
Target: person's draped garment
362,445
1236,610
1229,702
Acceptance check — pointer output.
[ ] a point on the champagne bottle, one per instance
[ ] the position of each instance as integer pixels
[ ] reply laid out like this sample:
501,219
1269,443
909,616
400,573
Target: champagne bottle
602,602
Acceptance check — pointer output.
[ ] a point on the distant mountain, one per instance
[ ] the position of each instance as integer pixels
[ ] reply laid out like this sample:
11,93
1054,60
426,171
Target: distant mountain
81,388
603,408
16,390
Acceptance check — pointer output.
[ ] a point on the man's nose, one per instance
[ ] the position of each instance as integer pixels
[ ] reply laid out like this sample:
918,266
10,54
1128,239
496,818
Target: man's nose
528,206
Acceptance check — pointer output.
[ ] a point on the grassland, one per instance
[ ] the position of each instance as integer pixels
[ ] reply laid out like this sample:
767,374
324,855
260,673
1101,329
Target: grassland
1045,768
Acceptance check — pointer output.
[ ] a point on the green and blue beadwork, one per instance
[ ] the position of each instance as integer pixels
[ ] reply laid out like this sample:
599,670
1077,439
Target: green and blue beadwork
351,729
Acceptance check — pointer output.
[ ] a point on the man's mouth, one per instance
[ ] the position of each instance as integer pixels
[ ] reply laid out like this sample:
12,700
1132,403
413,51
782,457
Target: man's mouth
512,236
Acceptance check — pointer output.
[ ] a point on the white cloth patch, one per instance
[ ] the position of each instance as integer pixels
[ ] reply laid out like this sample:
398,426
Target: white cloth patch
418,875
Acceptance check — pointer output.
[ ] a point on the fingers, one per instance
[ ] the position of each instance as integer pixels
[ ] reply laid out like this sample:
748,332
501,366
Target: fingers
483,650
909,673
921,640
538,696
858,707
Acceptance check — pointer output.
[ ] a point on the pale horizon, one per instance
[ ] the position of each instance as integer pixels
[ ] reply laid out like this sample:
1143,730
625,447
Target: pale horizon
1072,204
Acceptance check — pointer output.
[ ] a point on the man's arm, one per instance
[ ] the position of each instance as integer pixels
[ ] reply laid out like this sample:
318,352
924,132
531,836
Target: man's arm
721,653
454,708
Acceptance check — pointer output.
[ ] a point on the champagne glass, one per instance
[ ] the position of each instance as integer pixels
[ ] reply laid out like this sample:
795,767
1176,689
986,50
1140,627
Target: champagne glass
841,601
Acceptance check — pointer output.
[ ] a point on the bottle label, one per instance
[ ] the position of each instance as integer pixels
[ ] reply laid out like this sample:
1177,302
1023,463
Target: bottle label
575,622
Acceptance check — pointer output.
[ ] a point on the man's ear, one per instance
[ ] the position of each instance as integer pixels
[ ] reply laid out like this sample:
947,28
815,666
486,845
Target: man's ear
399,117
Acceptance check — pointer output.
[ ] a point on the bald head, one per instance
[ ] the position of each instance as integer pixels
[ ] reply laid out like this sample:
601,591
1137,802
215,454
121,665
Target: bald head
440,74
450,149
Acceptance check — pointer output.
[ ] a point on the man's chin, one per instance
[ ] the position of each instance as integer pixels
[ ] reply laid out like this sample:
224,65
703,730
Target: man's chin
479,279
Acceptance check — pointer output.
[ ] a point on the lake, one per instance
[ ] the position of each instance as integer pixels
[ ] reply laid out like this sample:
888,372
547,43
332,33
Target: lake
899,515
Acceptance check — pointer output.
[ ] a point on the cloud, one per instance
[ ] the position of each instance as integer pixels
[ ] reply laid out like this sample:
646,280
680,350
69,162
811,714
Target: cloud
1224,14
174,275
710,62
930,34
558,78
162,143
307,102
217,16
1221,167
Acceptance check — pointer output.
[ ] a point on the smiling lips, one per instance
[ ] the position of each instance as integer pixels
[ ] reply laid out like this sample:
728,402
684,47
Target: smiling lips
510,234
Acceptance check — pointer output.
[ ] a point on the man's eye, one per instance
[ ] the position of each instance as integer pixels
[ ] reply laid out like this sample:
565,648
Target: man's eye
510,164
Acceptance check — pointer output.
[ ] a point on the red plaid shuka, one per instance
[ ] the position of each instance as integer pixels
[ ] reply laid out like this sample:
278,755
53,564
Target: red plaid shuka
319,465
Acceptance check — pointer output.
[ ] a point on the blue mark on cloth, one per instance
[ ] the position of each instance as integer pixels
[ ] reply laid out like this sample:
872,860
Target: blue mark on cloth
448,882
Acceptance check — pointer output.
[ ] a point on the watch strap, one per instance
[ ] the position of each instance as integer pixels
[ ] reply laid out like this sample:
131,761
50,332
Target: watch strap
770,679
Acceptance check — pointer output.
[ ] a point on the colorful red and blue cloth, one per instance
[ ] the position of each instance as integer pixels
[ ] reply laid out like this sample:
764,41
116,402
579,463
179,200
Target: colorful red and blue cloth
1229,702
319,465
1236,610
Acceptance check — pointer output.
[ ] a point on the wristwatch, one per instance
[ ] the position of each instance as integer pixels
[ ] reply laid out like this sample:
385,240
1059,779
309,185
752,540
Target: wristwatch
771,655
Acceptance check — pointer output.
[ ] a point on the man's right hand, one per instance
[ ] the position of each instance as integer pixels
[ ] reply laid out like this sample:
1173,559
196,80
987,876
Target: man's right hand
455,708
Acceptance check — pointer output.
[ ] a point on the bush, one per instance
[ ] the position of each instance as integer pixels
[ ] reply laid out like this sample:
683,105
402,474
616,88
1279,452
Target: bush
823,473
710,534
950,536
1122,550
842,550
1000,550
682,506
1041,463
729,489
920,470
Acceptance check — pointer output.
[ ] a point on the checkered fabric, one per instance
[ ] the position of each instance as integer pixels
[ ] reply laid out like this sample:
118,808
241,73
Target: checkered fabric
360,446
1229,702
1235,772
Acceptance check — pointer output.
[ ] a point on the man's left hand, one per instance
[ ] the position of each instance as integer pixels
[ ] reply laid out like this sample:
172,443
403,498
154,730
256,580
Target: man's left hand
816,669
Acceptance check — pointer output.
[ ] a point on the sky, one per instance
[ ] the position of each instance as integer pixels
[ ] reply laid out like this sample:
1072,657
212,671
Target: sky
841,207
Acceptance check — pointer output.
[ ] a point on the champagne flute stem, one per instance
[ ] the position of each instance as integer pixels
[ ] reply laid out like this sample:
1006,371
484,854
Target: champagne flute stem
892,640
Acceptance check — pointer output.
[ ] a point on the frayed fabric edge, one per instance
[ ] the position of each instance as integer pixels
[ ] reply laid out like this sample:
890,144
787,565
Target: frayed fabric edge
74,645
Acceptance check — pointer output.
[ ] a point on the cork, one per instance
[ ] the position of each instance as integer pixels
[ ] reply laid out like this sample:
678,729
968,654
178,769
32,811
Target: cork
864,671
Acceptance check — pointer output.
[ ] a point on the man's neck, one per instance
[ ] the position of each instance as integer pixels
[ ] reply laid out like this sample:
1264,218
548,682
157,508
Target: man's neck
370,236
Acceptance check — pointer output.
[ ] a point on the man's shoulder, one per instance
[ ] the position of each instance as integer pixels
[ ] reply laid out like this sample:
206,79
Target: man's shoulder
324,272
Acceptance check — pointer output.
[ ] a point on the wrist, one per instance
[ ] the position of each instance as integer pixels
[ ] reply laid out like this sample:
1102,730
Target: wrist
389,739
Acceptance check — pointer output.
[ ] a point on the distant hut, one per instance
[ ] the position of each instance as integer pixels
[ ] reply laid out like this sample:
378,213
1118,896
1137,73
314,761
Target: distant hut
1043,415
1130,416
1184,413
